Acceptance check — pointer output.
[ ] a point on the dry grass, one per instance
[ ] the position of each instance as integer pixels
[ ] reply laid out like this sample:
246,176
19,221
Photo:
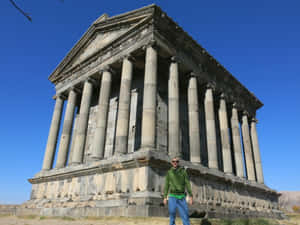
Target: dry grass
28,217
293,219
4,215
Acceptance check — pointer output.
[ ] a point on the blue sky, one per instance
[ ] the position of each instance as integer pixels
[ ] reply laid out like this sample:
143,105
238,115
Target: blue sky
257,41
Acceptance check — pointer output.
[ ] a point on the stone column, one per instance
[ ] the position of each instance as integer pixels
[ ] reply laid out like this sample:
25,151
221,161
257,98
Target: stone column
210,128
194,127
124,107
98,144
67,130
173,110
73,139
83,122
247,148
149,98
236,140
256,152
224,131
53,134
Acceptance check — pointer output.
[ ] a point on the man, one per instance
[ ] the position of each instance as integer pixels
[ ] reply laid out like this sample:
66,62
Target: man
175,184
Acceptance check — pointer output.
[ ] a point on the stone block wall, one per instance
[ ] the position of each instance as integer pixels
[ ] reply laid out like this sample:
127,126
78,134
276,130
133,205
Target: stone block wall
133,184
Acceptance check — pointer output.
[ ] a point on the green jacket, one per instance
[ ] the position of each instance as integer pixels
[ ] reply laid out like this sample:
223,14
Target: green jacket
176,182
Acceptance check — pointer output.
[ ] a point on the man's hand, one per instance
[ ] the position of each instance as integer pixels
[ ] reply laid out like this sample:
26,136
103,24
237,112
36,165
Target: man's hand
165,201
190,200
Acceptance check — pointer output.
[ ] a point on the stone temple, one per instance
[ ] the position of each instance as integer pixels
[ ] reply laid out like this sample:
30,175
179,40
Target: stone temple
138,90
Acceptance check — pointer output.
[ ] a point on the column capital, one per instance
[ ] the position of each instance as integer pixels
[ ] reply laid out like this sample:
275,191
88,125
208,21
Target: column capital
236,106
75,89
129,57
107,68
60,95
152,43
245,113
175,59
254,120
192,74
91,80
223,96
211,85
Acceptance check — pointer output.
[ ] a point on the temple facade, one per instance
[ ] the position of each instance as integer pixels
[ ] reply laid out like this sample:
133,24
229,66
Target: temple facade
132,93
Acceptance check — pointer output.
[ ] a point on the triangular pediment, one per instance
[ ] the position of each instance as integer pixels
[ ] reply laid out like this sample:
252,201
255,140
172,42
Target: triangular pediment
101,34
96,43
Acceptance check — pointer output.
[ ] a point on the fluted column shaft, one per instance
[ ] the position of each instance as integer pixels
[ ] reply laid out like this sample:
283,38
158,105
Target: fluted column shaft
236,140
67,130
53,134
74,132
149,99
173,110
210,129
247,148
98,144
83,122
224,131
256,152
194,127
124,107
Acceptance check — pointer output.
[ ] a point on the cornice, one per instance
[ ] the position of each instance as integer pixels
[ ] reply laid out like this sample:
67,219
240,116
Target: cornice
194,49
153,16
117,42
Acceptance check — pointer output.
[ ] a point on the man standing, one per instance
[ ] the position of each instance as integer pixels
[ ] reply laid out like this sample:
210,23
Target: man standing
175,184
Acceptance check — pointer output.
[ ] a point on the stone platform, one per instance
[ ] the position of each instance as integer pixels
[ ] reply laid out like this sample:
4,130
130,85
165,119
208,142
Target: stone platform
132,185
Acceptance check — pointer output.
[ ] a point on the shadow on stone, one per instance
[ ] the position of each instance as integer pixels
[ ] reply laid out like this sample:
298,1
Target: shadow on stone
205,222
198,214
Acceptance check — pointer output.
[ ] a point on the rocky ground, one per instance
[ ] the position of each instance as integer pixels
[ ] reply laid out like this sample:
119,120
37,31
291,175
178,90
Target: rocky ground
288,199
294,219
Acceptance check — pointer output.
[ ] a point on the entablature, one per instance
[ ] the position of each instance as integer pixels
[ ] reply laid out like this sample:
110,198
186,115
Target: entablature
135,29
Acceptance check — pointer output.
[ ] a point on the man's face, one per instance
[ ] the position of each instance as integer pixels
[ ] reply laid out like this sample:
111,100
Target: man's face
175,162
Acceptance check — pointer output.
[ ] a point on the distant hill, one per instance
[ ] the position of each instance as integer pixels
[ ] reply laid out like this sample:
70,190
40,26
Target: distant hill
288,199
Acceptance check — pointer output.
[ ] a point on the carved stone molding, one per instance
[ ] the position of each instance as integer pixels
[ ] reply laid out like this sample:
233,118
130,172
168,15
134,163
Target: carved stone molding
75,89
63,96
108,68
192,74
253,119
211,85
91,80
152,43
175,59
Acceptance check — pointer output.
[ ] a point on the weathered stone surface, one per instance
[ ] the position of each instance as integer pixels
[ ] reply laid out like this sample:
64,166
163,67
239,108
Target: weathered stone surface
137,180
53,134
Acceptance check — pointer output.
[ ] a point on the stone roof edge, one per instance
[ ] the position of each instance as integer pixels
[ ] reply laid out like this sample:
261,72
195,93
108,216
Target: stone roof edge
195,43
90,31
157,10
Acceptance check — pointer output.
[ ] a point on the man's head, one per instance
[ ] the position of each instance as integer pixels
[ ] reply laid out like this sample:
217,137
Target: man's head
175,162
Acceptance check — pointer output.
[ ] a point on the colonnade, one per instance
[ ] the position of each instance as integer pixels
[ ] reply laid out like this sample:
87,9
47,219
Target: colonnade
229,127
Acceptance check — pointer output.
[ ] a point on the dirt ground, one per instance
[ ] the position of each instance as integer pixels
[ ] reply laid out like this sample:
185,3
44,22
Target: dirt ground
33,220
294,219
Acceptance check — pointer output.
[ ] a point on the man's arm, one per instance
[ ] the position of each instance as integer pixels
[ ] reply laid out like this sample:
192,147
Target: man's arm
188,187
167,184
187,184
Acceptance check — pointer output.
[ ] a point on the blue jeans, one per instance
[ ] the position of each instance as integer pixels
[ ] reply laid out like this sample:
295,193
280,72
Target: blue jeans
182,208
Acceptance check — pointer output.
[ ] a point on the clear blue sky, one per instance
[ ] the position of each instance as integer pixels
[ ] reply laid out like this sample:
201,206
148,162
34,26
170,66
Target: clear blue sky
258,41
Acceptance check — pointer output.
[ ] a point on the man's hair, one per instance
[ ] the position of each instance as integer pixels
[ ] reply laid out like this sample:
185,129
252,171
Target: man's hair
175,157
